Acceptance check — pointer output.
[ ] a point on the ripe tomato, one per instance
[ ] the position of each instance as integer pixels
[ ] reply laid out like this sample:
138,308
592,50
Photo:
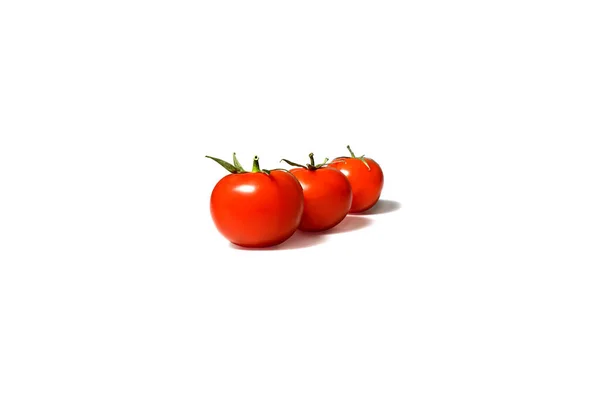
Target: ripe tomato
327,195
256,209
366,179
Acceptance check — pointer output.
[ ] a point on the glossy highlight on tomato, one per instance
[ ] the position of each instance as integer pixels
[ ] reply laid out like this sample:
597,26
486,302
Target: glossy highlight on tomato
260,208
366,179
327,195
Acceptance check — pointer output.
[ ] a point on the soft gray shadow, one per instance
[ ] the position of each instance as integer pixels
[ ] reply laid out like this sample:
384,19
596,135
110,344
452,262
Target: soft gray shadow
348,224
299,240
382,207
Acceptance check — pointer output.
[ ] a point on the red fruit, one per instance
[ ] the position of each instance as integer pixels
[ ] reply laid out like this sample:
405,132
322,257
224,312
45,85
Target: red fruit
366,179
327,195
256,209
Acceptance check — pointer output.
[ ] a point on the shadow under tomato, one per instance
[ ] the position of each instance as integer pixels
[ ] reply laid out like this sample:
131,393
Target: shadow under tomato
382,207
299,240
348,224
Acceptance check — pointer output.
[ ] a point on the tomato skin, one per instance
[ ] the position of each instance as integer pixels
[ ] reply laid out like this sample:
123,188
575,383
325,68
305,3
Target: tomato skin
327,197
366,183
257,209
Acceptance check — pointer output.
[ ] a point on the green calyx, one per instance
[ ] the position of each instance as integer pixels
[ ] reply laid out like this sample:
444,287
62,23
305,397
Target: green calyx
236,167
361,158
310,166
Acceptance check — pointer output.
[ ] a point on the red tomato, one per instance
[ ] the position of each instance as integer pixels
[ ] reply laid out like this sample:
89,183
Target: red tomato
366,179
327,195
256,209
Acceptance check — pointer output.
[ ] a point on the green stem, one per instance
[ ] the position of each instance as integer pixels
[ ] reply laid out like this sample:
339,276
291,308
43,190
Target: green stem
322,164
255,166
231,168
351,152
310,166
293,164
237,164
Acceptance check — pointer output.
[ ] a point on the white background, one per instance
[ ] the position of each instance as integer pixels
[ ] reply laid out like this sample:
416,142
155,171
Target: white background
484,116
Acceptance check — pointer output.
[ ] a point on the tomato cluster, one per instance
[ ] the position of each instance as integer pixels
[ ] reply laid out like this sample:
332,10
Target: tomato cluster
263,208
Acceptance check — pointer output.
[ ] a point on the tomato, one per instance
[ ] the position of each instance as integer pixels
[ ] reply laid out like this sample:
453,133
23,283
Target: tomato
327,195
256,209
366,179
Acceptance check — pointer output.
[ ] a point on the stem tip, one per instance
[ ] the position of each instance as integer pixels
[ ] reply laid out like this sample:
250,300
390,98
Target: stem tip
255,166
